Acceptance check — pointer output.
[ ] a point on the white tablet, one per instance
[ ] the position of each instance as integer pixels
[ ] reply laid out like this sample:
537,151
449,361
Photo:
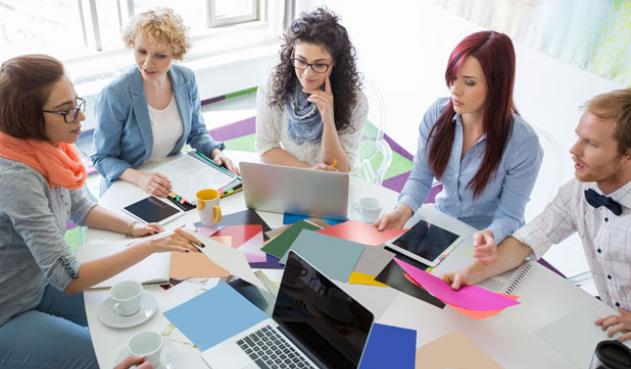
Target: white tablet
153,210
425,242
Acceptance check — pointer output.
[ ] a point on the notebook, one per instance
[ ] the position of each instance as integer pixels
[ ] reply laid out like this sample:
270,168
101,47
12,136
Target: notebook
509,281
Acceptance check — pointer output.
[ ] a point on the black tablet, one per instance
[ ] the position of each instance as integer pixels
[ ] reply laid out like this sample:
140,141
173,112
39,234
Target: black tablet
425,242
153,210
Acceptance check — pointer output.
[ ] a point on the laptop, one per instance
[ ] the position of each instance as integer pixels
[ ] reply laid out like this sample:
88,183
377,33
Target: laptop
315,324
300,191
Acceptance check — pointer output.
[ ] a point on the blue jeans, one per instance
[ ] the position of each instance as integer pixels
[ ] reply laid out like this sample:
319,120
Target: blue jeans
53,335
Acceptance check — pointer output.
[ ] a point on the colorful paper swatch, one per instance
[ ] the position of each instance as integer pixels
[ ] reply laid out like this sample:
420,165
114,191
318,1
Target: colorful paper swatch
468,297
281,243
367,234
366,279
194,265
389,347
214,316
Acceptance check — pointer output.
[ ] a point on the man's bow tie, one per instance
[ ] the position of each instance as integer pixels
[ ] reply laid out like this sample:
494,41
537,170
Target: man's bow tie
597,200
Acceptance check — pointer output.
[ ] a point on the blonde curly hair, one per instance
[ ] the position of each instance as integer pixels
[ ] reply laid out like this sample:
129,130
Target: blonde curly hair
161,25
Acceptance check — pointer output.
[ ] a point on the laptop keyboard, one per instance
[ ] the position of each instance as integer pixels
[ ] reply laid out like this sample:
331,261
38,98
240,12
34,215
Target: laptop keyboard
270,350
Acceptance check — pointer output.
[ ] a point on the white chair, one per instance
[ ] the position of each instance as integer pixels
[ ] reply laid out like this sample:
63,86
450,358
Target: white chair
374,153
550,175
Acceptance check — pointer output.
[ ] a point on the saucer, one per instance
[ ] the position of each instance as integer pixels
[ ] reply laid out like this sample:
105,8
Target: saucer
169,357
148,307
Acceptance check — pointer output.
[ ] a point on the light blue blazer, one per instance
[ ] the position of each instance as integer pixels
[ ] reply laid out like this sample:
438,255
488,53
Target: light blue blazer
123,137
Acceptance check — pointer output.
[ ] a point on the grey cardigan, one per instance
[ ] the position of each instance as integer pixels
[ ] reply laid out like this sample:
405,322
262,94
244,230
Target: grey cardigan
33,251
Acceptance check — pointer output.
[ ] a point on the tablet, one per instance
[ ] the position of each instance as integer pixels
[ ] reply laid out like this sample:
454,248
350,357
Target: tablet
425,242
153,210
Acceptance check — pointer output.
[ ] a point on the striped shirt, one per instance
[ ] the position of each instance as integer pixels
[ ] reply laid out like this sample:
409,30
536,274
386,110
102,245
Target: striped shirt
606,237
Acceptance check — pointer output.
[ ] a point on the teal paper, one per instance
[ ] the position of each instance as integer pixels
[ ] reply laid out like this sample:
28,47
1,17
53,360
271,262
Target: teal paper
332,256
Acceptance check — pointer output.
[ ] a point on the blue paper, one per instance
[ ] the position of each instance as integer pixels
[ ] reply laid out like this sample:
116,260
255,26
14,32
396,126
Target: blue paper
294,218
332,256
389,347
215,316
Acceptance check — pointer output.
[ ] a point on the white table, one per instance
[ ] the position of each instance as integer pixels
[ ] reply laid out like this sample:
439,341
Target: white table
508,337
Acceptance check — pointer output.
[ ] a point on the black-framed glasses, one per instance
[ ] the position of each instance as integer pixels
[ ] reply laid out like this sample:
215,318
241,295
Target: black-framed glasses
316,67
71,115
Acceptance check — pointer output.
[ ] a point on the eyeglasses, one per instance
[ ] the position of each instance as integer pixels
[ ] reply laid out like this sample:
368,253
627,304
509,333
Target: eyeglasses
316,67
71,115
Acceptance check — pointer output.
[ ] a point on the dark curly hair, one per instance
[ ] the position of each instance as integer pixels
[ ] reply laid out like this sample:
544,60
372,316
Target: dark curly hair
320,27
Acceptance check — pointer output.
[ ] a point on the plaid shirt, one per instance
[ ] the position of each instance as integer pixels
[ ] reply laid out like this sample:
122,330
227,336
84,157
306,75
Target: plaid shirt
606,237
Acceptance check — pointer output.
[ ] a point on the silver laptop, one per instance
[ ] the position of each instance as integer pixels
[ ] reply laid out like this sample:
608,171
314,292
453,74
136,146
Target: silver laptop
315,324
282,189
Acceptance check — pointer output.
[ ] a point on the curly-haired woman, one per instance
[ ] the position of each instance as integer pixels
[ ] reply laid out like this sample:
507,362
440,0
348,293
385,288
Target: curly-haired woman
153,109
311,111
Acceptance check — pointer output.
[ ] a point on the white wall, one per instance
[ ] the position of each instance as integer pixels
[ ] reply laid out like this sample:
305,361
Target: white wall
404,47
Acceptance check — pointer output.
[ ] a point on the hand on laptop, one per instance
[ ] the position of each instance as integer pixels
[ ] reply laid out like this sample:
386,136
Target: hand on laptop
325,167
395,219
134,362
220,159
154,184
484,247
617,324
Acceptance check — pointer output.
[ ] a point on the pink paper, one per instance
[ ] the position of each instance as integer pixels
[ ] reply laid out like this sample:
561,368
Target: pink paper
468,297
359,232
252,249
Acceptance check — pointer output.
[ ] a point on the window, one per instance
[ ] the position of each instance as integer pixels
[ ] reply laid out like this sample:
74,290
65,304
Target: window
226,12
68,29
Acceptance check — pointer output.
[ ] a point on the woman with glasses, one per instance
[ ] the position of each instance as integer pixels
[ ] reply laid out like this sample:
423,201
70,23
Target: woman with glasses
311,111
153,109
475,143
42,315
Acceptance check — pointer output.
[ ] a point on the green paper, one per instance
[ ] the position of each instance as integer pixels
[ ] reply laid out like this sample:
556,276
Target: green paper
279,245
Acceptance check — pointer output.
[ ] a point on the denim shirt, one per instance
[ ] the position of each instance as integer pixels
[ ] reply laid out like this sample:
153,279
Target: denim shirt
123,137
500,207
33,252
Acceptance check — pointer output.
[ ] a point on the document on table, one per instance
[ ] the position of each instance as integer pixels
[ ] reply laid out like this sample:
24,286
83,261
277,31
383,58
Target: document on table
153,269
575,336
189,175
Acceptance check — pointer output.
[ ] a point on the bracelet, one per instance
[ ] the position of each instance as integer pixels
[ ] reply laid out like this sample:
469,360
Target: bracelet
131,226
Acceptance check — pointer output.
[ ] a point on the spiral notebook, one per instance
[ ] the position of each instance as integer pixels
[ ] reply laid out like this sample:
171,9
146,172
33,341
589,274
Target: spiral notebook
509,281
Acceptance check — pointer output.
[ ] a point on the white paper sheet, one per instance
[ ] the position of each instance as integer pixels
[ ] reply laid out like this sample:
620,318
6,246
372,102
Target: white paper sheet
153,269
189,175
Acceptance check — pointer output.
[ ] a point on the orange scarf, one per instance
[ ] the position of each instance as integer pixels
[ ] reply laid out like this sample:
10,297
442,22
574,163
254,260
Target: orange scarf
60,165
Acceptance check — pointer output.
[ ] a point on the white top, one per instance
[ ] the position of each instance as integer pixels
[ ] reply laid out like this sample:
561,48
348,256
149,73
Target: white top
606,237
167,127
272,130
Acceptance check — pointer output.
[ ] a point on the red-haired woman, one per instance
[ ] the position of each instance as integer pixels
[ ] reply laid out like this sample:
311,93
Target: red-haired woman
475,143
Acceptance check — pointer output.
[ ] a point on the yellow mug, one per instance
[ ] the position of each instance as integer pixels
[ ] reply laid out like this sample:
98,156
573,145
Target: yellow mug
208,206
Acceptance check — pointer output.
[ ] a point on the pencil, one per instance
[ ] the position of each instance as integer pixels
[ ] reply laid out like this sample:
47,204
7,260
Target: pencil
334,164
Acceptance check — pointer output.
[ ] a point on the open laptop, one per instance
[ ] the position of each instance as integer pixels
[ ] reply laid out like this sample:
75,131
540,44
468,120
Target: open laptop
282,189
315,325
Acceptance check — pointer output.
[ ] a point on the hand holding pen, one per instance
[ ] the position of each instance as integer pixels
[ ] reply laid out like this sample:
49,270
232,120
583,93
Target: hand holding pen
327,167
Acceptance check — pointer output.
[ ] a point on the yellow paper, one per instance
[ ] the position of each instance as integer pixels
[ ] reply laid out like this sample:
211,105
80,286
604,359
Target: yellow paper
454,350
361,278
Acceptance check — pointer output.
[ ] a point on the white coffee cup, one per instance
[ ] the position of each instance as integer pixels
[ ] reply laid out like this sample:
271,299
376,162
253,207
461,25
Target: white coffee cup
127,297
148,345
369,209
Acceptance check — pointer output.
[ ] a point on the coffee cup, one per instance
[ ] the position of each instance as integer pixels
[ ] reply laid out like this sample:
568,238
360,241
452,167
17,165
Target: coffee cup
611,354
208,206
148,345
369,209
127,297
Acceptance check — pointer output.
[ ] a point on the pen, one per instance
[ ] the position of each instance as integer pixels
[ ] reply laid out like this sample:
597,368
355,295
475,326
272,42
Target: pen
334,164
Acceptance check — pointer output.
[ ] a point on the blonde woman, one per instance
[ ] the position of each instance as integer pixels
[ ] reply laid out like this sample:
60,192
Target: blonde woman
153,109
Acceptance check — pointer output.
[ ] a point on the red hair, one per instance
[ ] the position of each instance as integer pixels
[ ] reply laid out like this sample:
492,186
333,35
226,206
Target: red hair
496,55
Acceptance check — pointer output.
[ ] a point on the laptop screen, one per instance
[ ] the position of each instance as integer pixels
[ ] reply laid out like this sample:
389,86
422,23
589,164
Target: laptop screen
326,320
